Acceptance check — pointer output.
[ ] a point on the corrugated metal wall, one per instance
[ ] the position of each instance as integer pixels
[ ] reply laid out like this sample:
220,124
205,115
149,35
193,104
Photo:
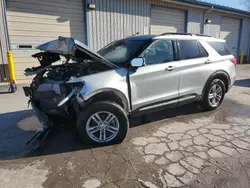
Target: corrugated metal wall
111,20
213,29
195,20
115,19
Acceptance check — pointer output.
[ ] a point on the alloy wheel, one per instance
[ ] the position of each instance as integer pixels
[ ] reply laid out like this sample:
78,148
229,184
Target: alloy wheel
102,127
215,95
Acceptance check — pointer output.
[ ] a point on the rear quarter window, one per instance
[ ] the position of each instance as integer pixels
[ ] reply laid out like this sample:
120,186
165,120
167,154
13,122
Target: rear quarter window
220,48
190,49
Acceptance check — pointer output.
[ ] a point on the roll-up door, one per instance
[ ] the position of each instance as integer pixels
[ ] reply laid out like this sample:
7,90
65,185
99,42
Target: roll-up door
230,29
167,20
32,22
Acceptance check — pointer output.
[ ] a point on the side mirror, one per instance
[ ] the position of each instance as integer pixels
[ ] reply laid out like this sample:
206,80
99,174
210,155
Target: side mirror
137,62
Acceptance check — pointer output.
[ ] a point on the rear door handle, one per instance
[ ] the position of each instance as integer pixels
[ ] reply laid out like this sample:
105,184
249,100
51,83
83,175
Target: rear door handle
170,68
208,62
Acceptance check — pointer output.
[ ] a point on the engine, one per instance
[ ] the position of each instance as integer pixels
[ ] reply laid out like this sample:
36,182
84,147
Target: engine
48,88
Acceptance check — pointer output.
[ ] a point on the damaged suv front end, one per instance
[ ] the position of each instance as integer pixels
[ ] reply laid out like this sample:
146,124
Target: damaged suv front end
56,90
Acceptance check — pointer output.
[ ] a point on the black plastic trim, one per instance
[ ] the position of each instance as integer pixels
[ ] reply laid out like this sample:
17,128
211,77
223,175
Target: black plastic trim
214,75
196,98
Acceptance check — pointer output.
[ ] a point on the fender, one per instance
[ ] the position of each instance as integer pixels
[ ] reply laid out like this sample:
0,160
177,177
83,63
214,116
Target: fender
106,93
217,74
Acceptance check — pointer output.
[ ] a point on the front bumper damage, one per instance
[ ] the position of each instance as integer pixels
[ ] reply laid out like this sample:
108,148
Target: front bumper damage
47,125
41,135
55,91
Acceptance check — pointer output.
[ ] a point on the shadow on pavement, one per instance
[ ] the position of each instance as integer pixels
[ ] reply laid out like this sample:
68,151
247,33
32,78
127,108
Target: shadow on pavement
13,137
16,128
242,83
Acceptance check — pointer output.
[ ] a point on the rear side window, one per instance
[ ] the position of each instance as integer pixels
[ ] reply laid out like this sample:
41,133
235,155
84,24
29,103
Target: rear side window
220,48
190,49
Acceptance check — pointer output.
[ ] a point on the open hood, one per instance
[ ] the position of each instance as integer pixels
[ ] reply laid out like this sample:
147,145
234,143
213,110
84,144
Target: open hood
68,46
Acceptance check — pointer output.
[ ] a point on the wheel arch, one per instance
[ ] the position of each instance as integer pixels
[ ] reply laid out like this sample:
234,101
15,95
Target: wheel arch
222,75
109,94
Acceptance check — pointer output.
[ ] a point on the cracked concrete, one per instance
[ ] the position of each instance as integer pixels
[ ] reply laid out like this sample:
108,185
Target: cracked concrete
207,141
180,148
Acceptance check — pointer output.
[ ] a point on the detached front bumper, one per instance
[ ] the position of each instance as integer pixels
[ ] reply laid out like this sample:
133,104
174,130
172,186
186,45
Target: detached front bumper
42,117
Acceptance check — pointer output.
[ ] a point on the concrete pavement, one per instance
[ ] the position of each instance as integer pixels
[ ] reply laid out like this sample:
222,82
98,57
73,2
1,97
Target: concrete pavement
181,147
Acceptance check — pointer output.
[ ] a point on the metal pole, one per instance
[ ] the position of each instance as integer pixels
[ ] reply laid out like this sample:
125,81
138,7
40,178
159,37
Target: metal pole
13,87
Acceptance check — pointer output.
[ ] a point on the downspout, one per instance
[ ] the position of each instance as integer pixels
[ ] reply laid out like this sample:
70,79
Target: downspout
248,50
205,17
6,25
85,16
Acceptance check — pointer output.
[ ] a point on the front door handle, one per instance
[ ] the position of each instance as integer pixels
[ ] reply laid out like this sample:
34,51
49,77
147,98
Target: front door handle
208,62
170,68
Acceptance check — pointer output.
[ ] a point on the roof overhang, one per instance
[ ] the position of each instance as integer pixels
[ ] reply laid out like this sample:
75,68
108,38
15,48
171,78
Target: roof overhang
206,5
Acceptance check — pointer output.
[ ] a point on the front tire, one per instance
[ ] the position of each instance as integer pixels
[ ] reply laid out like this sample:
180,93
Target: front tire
103,122
214,95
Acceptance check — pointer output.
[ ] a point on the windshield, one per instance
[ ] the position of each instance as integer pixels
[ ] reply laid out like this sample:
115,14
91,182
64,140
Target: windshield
122,51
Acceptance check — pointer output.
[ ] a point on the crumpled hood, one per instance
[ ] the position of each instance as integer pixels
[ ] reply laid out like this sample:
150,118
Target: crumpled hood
67,46
64,46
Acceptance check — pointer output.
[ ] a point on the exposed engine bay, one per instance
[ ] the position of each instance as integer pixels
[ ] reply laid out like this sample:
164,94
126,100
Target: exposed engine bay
49,86
62,60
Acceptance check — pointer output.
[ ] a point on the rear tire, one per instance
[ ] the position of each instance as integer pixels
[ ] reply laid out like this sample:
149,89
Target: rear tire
102,122
214,95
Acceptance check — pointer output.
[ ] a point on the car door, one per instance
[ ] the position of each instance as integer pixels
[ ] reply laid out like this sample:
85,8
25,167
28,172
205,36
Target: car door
156,83
193,66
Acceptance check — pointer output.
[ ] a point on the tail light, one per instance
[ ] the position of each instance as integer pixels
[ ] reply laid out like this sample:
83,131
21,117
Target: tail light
234,61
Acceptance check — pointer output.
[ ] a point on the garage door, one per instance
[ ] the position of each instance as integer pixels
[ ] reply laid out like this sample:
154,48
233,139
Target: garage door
32,22
167,20
230,29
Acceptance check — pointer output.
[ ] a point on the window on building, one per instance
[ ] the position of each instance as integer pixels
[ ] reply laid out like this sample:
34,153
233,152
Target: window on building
220,48
190,49
161,51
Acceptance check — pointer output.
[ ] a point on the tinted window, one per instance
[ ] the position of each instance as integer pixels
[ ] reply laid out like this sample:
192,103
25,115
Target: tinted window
161,51
191,49
122,51
220,48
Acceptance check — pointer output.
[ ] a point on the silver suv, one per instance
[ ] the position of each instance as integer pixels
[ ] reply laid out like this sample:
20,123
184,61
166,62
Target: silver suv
97,92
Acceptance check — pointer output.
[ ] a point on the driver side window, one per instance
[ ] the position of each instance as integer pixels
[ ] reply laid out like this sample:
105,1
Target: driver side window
161,51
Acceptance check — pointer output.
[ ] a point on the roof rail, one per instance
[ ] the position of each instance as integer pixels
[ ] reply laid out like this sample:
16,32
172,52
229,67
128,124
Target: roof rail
202,35
175,34
191,34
